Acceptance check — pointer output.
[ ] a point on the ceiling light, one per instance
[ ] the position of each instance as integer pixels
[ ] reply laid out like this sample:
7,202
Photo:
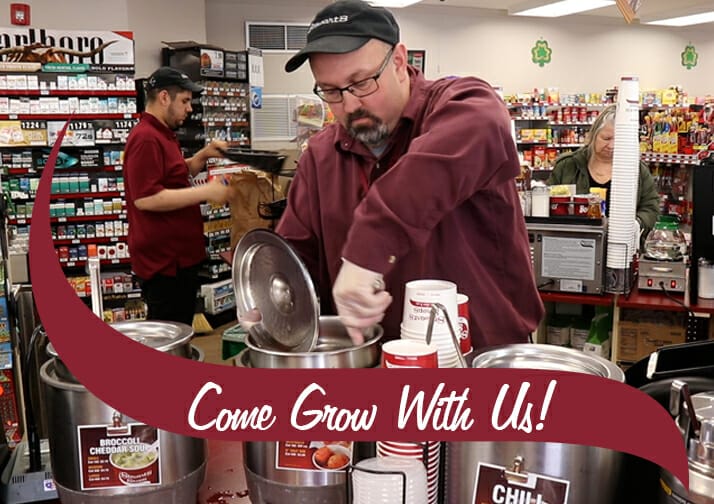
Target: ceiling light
392,3
557,9
693,19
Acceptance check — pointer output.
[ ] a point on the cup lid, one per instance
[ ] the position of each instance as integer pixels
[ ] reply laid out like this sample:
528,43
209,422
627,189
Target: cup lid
269,275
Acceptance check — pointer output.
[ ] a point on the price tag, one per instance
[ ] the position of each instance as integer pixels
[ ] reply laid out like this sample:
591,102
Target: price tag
115,261
71,264
61,219
75,241
22,221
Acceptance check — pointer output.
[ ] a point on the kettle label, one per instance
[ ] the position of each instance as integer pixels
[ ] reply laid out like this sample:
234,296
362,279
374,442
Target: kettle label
499,485
118,455
313,455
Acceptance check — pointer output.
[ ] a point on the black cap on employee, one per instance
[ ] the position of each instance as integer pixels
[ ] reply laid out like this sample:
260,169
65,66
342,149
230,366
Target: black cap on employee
345,26
166,77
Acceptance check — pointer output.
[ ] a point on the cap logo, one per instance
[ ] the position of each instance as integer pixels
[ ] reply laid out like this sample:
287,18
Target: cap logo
332,20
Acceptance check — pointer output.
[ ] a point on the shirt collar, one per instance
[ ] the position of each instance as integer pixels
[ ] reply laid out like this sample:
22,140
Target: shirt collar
161,127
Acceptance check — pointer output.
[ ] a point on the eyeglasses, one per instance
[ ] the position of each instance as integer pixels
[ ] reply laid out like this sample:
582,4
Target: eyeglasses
360,89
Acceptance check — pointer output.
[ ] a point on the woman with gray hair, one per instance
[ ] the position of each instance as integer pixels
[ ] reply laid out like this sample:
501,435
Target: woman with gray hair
591,166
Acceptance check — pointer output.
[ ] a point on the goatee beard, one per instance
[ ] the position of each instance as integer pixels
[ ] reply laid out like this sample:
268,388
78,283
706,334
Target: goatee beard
369,135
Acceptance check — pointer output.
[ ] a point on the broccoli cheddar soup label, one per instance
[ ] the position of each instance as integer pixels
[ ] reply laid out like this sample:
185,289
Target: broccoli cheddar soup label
313,455
118,455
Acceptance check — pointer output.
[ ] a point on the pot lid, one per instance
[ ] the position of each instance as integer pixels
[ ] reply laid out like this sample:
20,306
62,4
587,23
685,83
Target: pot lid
269,275
546,357
157,334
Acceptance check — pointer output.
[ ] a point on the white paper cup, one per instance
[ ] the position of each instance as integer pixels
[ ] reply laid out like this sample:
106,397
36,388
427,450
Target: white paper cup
404,353
419,295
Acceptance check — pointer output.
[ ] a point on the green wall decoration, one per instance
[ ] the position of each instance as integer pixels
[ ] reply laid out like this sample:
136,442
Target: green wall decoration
689,57
541,53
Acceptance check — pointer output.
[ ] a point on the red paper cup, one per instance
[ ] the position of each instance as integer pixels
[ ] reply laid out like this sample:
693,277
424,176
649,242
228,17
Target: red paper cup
462,301
403,353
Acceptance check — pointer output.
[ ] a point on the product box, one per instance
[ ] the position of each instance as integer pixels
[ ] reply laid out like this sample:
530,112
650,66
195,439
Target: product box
639,339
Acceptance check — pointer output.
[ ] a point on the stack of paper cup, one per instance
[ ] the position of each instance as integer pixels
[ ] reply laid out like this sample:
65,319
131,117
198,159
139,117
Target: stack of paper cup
389,481
622,242
419,296
429,454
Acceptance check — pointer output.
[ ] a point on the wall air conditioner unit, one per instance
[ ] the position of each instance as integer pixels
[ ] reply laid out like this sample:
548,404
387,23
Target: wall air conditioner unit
276,37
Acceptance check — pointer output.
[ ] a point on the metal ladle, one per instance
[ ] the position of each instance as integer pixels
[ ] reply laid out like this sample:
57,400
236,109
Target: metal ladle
435,308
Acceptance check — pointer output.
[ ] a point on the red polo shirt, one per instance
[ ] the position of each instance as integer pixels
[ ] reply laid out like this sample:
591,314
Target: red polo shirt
159,242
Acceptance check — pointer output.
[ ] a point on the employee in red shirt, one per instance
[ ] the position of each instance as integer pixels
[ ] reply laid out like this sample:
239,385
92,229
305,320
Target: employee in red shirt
414,181
166,240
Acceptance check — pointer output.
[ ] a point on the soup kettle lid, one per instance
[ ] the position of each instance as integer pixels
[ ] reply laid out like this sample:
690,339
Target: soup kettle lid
157,334
546,357
269,275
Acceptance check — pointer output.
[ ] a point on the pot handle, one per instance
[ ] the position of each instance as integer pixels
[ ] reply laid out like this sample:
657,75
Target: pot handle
435,308
679,394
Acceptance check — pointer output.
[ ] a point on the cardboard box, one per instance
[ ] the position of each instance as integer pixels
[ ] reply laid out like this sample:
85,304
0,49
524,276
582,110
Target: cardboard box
639,339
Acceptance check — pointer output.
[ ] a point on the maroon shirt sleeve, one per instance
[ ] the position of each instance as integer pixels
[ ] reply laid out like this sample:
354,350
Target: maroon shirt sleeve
464,146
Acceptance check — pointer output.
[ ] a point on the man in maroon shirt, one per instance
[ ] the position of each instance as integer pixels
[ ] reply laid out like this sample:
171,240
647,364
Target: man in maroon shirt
416,180
166,241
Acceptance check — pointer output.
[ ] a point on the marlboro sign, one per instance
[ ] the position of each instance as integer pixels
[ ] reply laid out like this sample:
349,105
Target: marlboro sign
98,51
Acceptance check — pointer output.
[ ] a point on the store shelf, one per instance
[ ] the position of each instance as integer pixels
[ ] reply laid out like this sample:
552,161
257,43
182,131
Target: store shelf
574,298
656,157
121,296
75,218
103,262
64,117
82,195
98,240
66,92
655,300
60,171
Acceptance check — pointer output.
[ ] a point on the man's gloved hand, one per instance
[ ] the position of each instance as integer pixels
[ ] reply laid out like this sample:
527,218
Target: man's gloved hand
360,299
250,318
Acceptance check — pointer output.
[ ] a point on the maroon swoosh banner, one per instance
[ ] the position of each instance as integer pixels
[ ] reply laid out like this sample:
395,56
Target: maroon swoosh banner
231,403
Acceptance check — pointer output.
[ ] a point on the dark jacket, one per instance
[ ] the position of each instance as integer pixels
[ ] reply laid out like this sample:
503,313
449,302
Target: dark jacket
572,168
440,202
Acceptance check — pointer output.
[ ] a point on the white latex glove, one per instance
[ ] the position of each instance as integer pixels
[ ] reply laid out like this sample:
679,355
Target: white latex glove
250,318
360,299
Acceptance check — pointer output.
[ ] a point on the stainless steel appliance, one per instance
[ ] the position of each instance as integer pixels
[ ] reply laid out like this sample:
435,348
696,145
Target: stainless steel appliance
268,275
131,462
658,275
695,418
592,474
568,254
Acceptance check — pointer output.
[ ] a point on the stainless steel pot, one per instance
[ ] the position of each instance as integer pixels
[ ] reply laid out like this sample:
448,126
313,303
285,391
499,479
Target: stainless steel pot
266,482
593,473
695,419
334,349
77,416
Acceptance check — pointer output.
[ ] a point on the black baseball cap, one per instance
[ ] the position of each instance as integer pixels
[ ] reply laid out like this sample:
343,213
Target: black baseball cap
345,26
166,77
